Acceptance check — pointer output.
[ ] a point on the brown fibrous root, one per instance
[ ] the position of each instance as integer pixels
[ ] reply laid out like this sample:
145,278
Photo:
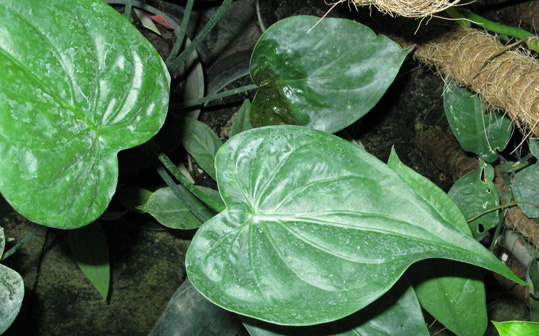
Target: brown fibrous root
408,8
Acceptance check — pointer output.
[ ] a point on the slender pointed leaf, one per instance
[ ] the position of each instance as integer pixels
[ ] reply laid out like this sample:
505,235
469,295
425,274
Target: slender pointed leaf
326,78
73,92
313,221
91,252
476,130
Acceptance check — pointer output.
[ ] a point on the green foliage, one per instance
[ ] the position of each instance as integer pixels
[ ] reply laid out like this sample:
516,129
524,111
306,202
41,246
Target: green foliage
326,78
517,328
167,209
478,131
11,291
78,83
242,120
452,292
525,189
397,312
202,143
91,252
313,220
475,193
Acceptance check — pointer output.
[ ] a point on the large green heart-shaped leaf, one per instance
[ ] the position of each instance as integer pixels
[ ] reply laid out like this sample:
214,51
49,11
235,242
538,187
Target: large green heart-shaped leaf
325,78
315,229
78,83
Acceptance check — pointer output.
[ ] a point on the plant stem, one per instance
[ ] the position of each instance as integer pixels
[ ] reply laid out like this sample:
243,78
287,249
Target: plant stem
19,244
154,149
180,37
128,7
531,39
202,214
196,41
200,101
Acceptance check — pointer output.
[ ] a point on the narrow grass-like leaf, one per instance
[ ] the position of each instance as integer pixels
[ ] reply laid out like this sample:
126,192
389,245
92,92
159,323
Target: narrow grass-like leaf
314,221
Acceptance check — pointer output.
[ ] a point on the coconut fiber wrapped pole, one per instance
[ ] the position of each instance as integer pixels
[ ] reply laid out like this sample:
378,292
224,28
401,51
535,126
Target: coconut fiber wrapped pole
407,8
504,79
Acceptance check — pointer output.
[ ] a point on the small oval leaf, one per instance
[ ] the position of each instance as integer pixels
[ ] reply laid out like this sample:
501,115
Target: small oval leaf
78,83
314,221
325,78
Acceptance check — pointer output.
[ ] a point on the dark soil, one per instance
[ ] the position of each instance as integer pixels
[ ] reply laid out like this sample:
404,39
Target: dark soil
148,265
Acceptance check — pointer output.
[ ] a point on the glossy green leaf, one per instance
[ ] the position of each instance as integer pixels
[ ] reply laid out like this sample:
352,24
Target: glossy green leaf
452,292
475,193
326,78
78,83
242,120
91,252
478,131
314,221
169,211
11,296
202,143
517,328
526,189
397,312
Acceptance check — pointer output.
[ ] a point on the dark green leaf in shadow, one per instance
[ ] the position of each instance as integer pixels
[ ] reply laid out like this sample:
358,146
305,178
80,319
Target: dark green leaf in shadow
477,130
169,211
314,221
242,119
397,312
202,143
78,83
526,188
475,193
326,78
133,197
91,252
450,291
